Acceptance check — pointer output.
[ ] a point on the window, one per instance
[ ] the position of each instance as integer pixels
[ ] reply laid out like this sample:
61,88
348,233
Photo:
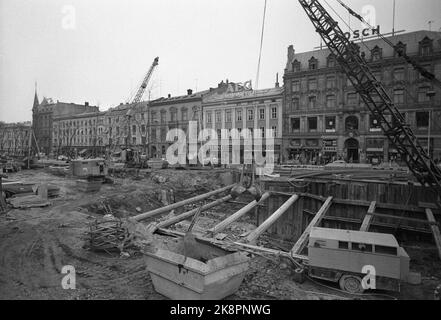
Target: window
274,113
362,247
427,67
261,114
133,140
330,124
239,115
374,124
426,46
422,120
134,129
351,123
422,94
296,66
312,124
153,134
312,84
330,82
398,74
295,103
295,86
274,131
218,116
343,245
228,116
184,114
399,96
295,124
386,250
250,115
330,101
163,134
376,53
352,99
262,132
313,64
163,117
331,61
209,118
143,128
312,101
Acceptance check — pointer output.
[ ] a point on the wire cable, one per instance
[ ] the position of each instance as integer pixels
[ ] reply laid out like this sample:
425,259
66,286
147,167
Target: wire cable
261,45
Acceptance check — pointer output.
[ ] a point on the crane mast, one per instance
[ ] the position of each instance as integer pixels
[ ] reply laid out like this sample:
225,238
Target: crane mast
375,97
140,93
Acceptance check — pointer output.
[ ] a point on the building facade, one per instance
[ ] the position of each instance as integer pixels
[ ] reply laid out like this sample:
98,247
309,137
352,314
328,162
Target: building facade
15,138
126,126
325,120
172,113
75,133
233,106
43,115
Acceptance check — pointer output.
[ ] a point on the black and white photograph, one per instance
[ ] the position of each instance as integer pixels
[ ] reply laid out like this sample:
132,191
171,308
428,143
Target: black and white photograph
244,152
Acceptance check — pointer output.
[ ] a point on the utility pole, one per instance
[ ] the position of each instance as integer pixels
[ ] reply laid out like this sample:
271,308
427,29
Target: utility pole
393,19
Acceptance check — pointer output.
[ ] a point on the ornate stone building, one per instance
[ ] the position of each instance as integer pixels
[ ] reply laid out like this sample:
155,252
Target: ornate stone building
14,138
43,115
324,118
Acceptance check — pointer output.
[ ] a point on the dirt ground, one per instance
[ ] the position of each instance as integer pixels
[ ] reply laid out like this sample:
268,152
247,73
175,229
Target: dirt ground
36,243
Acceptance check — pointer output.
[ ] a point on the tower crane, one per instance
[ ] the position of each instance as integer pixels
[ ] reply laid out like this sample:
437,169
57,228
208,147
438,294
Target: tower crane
375,98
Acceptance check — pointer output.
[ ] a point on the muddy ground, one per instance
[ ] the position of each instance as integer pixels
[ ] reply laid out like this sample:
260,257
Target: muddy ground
36,243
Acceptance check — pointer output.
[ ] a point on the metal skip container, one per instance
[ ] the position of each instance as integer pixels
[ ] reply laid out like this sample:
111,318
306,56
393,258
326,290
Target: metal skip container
209,273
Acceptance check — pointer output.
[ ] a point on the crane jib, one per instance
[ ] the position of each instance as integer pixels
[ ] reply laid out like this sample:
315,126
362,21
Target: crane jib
375,97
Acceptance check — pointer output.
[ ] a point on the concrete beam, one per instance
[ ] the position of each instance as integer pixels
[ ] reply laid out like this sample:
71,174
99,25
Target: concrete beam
301,242
190,213
179,204
368,218
237,215
435,230
252,237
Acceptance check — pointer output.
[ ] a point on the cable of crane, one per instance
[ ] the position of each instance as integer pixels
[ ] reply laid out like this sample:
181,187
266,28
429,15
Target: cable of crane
400,53
261,45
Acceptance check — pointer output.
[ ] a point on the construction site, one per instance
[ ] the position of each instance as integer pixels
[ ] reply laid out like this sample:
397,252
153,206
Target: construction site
76,226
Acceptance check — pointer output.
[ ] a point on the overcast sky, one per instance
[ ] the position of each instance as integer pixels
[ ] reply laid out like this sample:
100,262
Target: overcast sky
101,53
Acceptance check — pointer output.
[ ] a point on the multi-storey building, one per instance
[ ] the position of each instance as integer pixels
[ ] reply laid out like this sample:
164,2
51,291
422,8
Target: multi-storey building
234,106
125,126
15,138
324,118
75,133
171,113
42,119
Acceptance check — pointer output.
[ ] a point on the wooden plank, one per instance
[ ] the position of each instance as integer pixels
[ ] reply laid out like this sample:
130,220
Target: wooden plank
252,237
435,230
368,218
301,242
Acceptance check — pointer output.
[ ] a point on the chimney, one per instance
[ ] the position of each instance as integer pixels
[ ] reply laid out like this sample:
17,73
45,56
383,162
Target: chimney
189,92
86,104
277,80
291,53
169,95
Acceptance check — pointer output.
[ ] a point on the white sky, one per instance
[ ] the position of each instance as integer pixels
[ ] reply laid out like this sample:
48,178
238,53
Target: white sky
199,43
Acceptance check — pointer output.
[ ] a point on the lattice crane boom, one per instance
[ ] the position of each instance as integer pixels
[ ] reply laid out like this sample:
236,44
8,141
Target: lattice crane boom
140,93
375,97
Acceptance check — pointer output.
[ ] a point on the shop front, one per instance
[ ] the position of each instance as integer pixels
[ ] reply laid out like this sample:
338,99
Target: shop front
374,151
329,151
